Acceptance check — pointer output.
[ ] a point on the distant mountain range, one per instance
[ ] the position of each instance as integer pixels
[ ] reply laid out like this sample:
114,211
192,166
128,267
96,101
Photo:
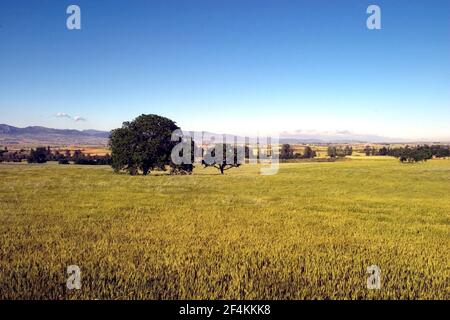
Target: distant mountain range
338,138
42,135
34,135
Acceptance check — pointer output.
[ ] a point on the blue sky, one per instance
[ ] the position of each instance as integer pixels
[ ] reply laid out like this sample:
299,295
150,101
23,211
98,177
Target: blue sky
229,66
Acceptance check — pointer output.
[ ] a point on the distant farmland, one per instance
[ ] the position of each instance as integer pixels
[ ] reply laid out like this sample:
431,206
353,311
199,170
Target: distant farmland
308,232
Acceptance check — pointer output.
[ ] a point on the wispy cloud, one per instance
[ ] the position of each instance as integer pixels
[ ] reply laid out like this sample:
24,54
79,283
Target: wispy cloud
63,115
68,116
79,118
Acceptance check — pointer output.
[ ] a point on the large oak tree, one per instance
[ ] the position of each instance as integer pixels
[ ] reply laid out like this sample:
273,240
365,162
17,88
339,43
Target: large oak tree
143,144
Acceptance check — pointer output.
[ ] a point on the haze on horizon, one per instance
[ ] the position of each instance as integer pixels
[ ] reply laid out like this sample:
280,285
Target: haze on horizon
238,67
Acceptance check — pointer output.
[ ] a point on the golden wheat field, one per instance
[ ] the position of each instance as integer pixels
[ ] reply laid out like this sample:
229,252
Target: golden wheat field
308,232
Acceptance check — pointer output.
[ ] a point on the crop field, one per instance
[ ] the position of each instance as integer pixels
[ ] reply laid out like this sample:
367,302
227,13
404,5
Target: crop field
308,232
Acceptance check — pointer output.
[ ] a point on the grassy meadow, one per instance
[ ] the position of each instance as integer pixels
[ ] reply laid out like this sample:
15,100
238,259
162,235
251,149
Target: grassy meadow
308,232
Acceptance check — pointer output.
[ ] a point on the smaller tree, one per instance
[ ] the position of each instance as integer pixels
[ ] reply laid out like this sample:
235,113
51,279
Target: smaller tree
77,155
286,152
415,154
38,156
383,151
229,158
374,151
348,150
440,151
368,150
332,151
308,153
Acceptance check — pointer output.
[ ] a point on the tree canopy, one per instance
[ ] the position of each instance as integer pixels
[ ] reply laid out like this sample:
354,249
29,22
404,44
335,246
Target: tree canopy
143,144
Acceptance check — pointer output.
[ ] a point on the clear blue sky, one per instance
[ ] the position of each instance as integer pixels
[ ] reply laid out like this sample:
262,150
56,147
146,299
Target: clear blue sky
229,66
